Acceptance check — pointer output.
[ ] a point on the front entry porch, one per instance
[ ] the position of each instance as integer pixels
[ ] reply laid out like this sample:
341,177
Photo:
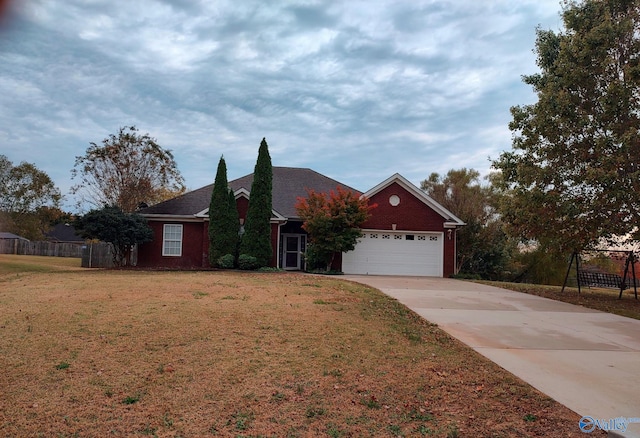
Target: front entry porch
292,253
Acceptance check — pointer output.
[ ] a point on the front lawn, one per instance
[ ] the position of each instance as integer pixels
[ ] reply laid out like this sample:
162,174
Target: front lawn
191,354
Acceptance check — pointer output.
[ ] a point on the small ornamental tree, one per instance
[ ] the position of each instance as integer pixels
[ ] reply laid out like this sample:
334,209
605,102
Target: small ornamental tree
333,222
223,218
121,230
256,240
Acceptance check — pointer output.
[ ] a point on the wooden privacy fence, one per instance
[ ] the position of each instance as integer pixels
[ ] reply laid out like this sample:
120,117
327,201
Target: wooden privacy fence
100,255
93,255
97,255
50,249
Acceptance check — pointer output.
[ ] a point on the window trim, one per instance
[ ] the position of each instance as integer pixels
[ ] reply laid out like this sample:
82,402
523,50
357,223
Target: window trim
165,240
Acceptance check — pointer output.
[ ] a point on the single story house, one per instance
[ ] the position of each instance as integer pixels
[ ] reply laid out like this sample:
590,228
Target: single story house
408,233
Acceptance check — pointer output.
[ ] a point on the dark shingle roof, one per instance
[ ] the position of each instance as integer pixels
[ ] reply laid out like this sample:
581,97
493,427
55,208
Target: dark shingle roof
289,183
187,204
6,235
63,233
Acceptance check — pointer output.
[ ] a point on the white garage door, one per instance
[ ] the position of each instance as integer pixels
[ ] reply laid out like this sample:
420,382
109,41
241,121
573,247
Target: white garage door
395,253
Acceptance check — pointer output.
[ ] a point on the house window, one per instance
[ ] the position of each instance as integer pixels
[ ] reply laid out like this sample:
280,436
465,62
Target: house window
172,240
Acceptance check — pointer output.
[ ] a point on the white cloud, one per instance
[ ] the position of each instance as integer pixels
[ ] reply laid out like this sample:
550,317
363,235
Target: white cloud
356,89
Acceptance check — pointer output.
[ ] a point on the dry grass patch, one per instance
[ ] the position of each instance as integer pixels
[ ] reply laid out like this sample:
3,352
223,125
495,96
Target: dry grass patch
605,300
122,353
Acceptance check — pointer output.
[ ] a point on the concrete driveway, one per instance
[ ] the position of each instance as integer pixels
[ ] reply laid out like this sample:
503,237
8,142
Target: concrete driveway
585,359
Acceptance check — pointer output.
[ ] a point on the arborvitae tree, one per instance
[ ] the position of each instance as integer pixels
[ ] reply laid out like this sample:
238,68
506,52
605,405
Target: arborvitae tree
223,218
256,241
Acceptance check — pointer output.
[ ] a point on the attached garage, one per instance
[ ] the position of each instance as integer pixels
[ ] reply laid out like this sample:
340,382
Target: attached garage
396,253
408,233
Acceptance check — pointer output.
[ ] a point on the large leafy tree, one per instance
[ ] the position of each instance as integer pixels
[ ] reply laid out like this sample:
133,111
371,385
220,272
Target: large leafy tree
333,221
122,230
28,197
256,240
223,218
126,170
483,248
573,176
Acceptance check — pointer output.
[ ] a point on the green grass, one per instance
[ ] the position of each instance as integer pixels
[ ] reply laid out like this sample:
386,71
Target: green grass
323,302
131,399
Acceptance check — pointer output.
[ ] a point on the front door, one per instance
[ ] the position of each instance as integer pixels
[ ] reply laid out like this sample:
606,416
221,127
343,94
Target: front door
293,247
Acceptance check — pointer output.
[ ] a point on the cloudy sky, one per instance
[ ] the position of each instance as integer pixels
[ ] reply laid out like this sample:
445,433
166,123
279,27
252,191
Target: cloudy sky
357,90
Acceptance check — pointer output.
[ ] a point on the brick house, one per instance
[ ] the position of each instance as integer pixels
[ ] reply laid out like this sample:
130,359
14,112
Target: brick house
408,233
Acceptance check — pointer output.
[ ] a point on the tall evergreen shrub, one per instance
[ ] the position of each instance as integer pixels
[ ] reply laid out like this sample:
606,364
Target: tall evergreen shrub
223,218
256,240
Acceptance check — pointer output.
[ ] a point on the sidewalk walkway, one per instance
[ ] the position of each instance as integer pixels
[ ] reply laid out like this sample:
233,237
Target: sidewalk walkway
585,359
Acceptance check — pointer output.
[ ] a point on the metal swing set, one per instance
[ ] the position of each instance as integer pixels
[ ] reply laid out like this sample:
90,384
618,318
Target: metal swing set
602,279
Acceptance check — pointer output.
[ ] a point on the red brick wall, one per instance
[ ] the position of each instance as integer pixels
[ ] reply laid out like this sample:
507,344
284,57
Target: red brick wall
449,266
410,215
195,244
150,254
242,204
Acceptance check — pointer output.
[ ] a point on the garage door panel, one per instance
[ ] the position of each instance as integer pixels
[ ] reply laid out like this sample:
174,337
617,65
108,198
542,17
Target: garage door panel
396,254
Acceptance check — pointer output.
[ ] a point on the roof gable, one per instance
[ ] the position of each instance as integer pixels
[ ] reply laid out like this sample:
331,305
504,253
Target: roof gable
450,218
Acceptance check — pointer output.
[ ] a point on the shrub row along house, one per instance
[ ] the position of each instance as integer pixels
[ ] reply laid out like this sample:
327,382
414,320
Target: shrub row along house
407,234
